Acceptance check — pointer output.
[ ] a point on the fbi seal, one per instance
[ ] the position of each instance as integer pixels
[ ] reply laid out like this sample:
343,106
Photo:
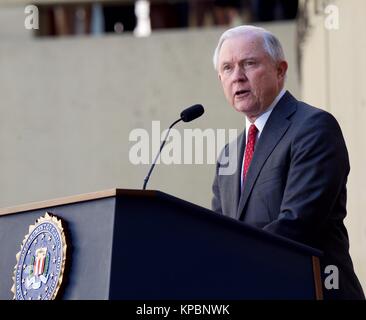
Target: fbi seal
41,260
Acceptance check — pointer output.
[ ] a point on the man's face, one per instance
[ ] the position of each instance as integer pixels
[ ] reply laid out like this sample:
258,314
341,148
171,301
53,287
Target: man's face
250,78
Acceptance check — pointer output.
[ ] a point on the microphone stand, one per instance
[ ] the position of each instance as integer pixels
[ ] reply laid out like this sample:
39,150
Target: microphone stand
156,158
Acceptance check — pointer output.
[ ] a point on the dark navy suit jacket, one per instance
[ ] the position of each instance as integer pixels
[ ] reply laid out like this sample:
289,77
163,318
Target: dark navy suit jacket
295,186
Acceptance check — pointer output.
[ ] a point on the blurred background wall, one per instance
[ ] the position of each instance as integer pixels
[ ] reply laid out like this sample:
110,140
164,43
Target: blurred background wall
73,90
70,102
333,77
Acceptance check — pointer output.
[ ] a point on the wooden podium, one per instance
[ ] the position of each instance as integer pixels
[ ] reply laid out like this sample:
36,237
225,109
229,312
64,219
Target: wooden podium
148,245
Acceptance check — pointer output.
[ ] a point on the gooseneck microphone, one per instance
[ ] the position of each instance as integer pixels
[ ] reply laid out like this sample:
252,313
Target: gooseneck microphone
186,115
192,113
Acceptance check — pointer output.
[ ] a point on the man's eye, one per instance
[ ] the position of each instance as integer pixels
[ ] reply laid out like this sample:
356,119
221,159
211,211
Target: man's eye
249,63
226,68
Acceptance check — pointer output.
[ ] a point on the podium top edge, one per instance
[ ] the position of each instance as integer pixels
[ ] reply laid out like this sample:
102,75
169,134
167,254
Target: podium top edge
73,199
115,192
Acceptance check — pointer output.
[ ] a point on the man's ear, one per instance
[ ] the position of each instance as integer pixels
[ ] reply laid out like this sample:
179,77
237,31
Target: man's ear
219,76
281,69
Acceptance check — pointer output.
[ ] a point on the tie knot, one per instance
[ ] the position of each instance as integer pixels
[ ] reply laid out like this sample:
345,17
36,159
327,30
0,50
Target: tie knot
252,130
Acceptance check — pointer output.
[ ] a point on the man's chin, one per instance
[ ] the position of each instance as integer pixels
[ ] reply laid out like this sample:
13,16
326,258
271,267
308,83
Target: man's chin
243,108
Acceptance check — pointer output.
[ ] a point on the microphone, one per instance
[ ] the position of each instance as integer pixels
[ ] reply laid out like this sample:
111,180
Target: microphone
192,113
186,115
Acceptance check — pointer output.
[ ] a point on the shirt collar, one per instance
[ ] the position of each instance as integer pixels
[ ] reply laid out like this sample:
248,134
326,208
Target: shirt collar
262,119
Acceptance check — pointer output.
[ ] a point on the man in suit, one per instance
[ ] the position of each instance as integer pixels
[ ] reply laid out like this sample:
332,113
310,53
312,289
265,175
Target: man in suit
292,161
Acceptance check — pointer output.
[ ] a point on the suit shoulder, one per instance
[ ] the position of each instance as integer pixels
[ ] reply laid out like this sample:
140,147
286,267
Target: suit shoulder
306,112
305,108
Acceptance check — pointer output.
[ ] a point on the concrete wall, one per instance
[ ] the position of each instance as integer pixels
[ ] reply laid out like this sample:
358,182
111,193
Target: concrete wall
68,106
334,70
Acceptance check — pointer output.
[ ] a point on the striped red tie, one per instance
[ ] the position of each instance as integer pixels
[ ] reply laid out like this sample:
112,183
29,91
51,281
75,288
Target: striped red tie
249,150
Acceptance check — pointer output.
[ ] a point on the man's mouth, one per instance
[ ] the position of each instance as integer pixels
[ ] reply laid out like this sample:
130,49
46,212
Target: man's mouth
241,93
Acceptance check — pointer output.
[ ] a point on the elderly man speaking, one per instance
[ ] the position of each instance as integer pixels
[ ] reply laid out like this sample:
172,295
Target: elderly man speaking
292,159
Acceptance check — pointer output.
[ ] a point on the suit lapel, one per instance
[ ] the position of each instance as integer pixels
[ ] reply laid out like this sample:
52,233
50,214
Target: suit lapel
276,126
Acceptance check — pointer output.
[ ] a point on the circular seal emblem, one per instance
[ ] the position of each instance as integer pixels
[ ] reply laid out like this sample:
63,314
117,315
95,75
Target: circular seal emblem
41,260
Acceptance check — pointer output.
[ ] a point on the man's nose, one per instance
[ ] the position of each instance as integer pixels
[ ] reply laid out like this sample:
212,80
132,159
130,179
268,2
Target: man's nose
239,74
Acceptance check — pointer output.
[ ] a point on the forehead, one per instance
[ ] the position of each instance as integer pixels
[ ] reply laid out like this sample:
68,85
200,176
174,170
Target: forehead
241,47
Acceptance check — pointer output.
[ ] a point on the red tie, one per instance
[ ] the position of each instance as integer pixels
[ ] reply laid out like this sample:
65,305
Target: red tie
249,150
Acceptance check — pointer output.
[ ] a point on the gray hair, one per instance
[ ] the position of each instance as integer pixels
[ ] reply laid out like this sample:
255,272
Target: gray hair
270,43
